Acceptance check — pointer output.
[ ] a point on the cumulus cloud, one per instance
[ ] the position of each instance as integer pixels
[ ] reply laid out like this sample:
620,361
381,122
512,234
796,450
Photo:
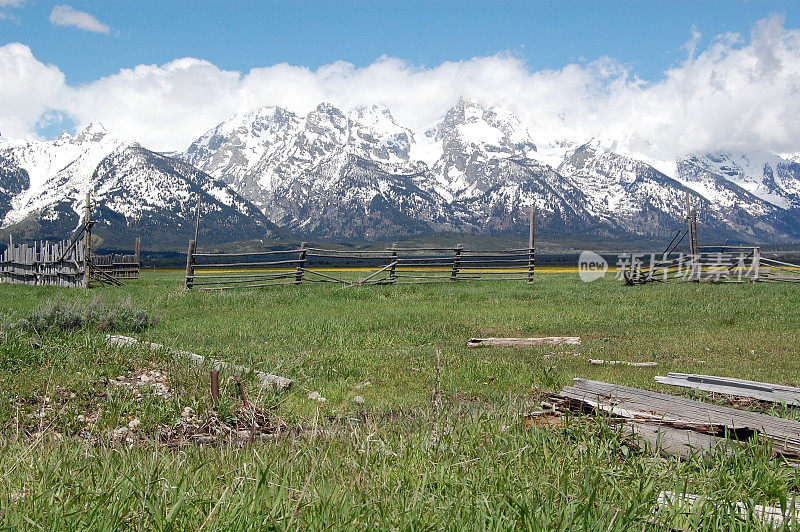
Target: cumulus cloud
28,89
734,94
65,15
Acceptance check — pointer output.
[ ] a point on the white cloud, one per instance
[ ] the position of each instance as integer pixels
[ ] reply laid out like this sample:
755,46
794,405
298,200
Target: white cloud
28,88
731,95
65,15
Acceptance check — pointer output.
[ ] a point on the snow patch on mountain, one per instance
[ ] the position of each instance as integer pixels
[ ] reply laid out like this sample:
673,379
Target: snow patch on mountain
58,169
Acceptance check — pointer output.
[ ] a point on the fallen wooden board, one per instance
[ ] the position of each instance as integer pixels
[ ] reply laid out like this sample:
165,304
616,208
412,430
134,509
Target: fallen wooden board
599,362
636,404
766,515
680,443
267,379
763,391
524,342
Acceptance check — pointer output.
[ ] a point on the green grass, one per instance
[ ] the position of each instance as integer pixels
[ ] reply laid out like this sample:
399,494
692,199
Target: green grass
378,464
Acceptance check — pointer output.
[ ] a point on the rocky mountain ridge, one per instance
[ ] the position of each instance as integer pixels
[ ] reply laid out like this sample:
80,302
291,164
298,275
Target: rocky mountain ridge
360,175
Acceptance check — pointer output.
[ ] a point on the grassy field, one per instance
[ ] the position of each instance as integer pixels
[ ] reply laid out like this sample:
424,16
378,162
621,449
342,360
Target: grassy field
380,463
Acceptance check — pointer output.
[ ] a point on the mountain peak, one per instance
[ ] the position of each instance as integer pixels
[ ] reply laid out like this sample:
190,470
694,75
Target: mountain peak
94,128
372,112
376,116
93,131
328,109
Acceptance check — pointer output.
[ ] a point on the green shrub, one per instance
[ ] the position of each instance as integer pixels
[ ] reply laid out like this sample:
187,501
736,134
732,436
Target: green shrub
99,315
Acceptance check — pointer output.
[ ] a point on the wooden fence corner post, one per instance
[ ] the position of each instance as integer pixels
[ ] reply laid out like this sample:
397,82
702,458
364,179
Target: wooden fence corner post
393,269
531,244
454,273
190,265
298,276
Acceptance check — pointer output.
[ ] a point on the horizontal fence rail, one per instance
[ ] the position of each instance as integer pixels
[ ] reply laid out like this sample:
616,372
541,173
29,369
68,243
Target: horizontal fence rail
116,265
390,266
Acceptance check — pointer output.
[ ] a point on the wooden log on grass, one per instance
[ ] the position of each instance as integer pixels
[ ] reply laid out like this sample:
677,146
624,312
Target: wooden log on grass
598,362
680,443
523,342
267,379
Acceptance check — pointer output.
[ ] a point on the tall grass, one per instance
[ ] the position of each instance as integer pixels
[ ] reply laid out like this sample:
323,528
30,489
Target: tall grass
377,465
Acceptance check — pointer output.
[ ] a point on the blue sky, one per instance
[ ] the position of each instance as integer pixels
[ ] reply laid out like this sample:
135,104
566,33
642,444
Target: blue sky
238,35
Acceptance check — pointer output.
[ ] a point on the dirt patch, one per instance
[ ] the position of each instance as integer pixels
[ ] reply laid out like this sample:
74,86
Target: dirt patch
463,398
542,419
152,380
42,416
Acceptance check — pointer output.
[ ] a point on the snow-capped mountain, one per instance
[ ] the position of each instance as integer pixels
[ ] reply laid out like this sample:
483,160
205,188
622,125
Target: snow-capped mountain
58,169
361,175
477,170
768,177
136,192
326,173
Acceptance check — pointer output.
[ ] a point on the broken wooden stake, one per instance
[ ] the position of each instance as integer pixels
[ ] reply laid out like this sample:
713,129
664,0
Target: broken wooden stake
245,402
267,379
215,387
524,342
599,362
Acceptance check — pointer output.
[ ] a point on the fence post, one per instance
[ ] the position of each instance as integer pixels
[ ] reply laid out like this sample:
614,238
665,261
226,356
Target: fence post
454,272
531,241
393,269
189,265
756,263
87,237
695,247
298,276
137,257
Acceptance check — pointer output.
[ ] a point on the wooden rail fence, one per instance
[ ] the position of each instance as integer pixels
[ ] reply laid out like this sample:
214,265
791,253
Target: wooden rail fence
393,265
725,263
118,266
68,263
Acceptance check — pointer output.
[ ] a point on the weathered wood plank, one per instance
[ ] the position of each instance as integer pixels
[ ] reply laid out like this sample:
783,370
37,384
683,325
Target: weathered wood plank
763,391
680,443
599,362
633,403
